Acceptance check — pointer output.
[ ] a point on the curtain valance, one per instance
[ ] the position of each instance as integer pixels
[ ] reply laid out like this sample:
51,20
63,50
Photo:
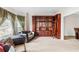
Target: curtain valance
4,14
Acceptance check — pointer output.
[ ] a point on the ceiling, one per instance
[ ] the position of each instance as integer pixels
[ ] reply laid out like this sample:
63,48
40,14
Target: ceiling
38,10
35,9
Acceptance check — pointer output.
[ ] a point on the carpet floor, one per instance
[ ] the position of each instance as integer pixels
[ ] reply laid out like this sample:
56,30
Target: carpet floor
48,44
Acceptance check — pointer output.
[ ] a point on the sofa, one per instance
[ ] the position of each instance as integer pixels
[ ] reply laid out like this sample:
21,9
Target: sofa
19,42
29,35
15,43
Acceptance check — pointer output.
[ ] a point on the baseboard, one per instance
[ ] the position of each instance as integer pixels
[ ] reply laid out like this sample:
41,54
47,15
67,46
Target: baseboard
69,37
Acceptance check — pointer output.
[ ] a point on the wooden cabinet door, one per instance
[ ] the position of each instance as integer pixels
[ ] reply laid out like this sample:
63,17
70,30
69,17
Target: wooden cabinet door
33,24
58,16
59,26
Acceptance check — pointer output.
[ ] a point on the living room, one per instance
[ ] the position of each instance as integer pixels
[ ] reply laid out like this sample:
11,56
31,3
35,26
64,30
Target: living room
30,27
13,22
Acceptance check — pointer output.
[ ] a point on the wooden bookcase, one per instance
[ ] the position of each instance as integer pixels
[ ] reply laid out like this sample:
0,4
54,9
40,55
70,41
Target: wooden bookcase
46,25
42,25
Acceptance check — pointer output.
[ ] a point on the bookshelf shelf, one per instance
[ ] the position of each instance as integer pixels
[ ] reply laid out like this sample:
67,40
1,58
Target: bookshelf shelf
47,25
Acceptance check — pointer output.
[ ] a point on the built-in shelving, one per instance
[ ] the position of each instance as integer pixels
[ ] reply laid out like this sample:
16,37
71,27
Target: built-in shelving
47,25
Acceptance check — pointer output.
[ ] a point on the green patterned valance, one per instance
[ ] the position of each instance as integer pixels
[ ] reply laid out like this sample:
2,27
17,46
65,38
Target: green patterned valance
21,20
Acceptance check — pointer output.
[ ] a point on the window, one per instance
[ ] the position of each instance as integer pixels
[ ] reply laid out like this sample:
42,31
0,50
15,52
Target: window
6,29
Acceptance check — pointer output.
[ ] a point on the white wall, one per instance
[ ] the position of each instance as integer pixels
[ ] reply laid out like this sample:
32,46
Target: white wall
29,22
71,22
69,10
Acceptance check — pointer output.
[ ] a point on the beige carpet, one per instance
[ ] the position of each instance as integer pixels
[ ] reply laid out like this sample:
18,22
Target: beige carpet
48,44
